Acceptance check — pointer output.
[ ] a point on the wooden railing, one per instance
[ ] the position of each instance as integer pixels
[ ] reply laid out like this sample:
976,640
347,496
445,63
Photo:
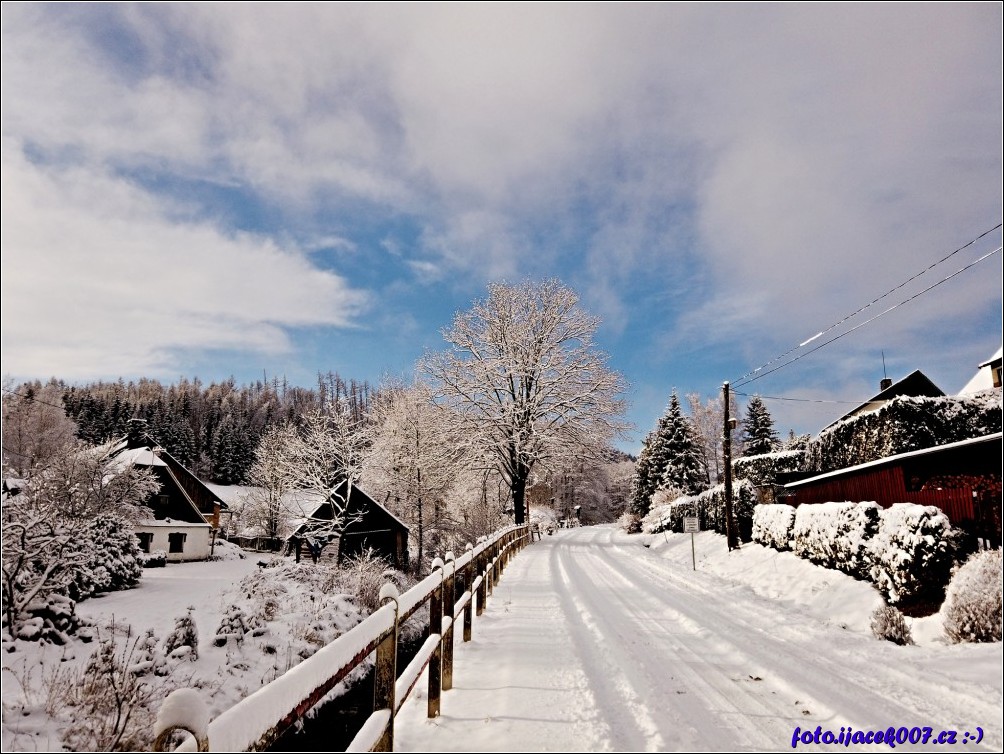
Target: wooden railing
257,721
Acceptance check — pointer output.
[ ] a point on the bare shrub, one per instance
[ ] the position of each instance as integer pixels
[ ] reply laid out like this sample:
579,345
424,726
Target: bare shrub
888,624
973,600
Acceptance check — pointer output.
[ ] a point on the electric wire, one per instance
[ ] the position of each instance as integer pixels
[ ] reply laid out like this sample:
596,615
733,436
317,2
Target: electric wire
741,383
930,267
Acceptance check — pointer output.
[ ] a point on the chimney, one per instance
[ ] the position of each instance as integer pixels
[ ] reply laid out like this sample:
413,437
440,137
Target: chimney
885,384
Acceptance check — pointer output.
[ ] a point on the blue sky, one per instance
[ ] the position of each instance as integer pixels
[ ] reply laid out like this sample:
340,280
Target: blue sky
227,189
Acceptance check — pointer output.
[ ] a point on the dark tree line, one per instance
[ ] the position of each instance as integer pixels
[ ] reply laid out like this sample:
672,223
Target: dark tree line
213,429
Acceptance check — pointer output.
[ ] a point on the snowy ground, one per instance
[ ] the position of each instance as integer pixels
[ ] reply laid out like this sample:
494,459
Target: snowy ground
595,641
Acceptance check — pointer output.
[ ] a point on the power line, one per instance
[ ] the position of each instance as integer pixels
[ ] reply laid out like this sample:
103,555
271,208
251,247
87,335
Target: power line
867,321
800,400
739,382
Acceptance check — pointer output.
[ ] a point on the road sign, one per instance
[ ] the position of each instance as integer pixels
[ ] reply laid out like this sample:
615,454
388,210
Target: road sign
691,524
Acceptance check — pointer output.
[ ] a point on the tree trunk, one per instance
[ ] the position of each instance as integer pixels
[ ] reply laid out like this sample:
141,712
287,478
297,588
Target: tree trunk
518,491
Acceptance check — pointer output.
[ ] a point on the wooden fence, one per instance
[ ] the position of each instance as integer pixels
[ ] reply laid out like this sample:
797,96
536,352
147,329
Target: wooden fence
257,721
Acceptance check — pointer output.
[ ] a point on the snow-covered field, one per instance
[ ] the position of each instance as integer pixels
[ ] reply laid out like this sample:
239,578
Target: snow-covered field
597,640
594,640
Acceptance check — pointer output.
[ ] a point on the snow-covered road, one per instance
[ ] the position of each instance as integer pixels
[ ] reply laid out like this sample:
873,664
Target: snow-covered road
593,642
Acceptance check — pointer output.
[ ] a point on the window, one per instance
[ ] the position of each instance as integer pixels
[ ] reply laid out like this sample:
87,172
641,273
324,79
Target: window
162,499
176,541
145,540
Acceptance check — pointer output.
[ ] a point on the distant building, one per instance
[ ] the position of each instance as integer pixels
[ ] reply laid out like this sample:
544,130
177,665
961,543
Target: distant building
987,377
367,525
186,513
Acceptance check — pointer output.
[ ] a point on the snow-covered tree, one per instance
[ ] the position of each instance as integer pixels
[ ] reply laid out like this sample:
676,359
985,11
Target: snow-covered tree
413,460
266,505
759,436
322,462
708,421
45,525
675,454
35,426
526,382
645,481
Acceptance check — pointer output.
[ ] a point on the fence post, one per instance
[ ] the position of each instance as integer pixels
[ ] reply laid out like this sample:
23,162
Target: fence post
482,571
450,603
385,673
469,571
436,627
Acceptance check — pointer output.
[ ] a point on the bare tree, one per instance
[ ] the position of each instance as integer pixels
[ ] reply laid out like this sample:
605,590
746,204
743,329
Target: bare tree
321,463
413,461
526,382
35,426
266,505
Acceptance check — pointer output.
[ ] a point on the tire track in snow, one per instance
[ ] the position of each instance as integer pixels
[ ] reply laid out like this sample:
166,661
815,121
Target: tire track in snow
839,687
709,689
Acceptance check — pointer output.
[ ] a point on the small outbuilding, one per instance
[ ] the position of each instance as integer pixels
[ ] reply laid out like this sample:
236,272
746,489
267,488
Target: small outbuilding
352,522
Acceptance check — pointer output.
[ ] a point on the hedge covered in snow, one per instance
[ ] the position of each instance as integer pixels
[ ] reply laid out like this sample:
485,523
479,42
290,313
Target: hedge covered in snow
709,507
762,469
907,550
912,553
902,425
773,526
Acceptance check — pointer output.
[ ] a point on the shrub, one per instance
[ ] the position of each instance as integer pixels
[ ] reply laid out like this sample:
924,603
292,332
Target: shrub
888,624
857,526
630,522
113,560
111,703
184,634
973,600
912,553
773,525
763,469
233,627
815,535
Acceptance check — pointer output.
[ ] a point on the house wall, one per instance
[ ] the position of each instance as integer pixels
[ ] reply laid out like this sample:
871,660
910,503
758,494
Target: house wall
196,544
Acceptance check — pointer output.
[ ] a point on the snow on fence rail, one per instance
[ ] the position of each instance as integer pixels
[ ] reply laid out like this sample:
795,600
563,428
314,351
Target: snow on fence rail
257,721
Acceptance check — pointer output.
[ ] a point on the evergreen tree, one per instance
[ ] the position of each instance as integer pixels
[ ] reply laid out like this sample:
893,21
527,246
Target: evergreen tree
758,430
676,457
644,484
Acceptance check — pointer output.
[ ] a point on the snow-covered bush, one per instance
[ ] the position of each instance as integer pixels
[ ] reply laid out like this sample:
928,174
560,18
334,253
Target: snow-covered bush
912,553
888,624
147,657
630,522
361,576
112,704
857,526
763,469
52,619
155,559
233,627
773,525
973,599
112,559
184,634
815,535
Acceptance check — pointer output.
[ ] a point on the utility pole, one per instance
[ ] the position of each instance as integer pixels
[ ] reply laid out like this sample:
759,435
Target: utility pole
730,527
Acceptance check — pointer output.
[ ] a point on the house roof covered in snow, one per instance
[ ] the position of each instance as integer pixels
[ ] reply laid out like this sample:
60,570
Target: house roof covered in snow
984,377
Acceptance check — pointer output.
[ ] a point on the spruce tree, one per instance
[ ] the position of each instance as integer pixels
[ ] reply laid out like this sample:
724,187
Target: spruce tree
644,483
759,436
676,458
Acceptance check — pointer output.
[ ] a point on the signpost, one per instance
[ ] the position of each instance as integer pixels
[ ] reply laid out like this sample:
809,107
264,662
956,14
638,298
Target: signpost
692,524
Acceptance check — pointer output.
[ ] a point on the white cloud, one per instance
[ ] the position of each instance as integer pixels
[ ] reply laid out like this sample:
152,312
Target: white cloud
98,282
